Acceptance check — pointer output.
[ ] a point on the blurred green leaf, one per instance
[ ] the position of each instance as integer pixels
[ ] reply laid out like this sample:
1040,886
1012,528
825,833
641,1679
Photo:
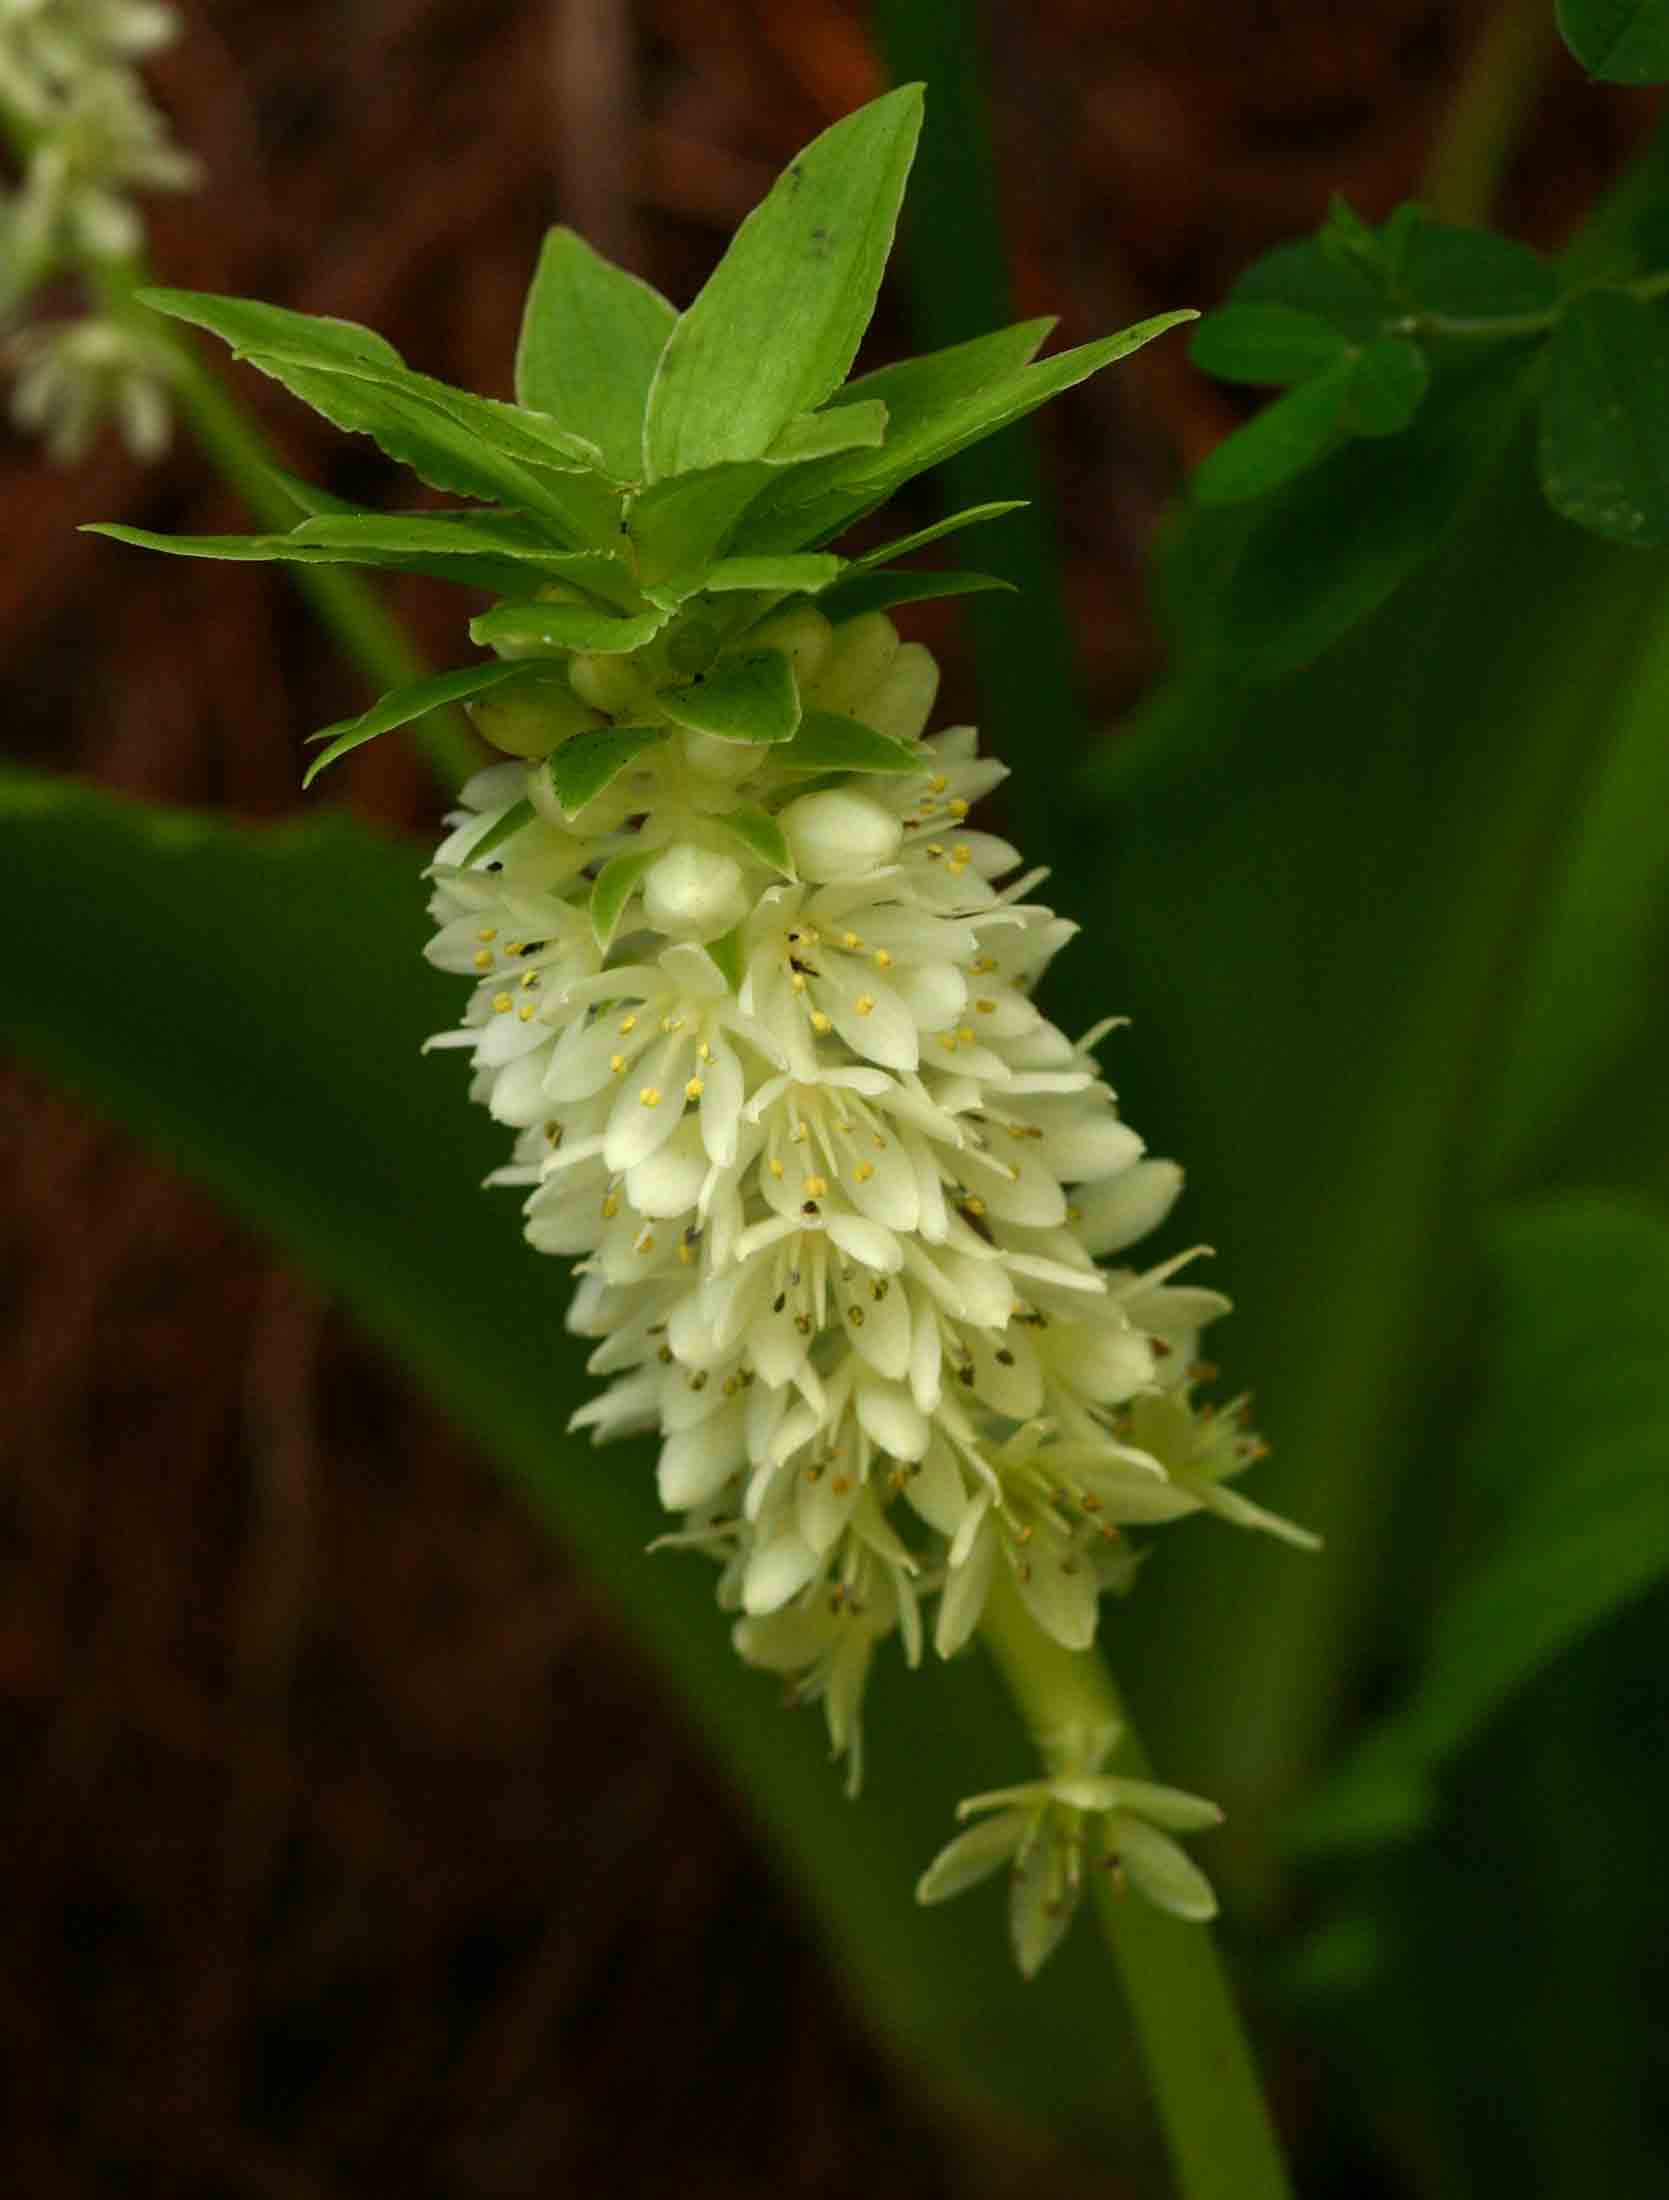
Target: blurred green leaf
1387,384
1604,423
1472,273
1282,440
591,338
749,696
1619,41
311,1124
779,320
1266,343
1303,277
1572,1446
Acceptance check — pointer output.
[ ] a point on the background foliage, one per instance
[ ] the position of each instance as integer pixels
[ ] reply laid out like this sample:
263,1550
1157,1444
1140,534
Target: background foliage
1379,872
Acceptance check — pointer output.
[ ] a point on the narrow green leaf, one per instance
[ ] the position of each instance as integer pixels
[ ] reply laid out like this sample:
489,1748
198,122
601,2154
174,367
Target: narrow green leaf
565,626
591,338
886,591
502,829
818,435
248,326
615,883
1266,343
827,743
779,320
449,535
1604,424
745,697
974,516
761,835
471,570
1619,41
1388,380
1281,441
806,575
591,761
401,705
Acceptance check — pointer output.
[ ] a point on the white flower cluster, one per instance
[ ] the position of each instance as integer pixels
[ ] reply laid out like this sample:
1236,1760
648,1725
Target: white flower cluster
836,1188
71,91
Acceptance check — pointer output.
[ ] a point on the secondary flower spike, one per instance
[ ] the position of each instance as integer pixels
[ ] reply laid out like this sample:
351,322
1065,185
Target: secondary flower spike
753,985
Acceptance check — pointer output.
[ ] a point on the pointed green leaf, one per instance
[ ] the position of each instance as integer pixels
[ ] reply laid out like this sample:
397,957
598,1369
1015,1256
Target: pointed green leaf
588,763
761,835
1604,425
1265,343
401,705
1302,276
615,883
806,575
498,832
248,326
827,743
974,516
1619,41
745,697
473,570
886,591
779,320
680,526
565,626
1471,272
1283,439
591,338
817,435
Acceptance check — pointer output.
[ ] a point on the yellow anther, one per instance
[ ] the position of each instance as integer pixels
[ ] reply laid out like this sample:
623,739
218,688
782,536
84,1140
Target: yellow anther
524,1014
628,1024
798,981
984,966
530,978
512,947
958,808
776,1170
850,939
650,1096
935,849
985,1007
487,932
938,783
501,1004
865,1170
799,1134
686,1256
973,1205
816,1186
820,1023
864,1004
947,1039
617,1063
694,1089
961,853
672,1023
611,1206
553,1131
704,1052
645,1244
883,961
483,958
966,1035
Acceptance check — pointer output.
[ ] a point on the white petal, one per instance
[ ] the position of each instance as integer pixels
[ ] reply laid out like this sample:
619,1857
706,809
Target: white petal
777,1571
972,1856
1127,1206
891,1419
696,1463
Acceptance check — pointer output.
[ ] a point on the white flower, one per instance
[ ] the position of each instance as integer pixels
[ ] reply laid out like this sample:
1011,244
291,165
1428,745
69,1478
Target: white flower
836,1187
1053,1831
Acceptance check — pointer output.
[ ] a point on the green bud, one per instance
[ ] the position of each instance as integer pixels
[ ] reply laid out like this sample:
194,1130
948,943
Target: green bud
532,718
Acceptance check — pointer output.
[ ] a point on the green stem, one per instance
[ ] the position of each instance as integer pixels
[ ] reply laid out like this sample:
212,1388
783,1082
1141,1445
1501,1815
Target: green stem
364,629
1198,2062
1487,119
1500,328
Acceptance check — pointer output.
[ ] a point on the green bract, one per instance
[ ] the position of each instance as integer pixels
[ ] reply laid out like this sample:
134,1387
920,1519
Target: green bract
664,480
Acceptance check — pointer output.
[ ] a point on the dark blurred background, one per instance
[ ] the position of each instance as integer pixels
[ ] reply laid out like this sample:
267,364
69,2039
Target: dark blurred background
346,1848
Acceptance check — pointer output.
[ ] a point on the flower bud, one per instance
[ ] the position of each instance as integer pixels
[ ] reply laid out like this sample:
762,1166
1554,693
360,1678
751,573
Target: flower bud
721,763
902,700
837,834
607,681
805,638
694,893
864,649
531,720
